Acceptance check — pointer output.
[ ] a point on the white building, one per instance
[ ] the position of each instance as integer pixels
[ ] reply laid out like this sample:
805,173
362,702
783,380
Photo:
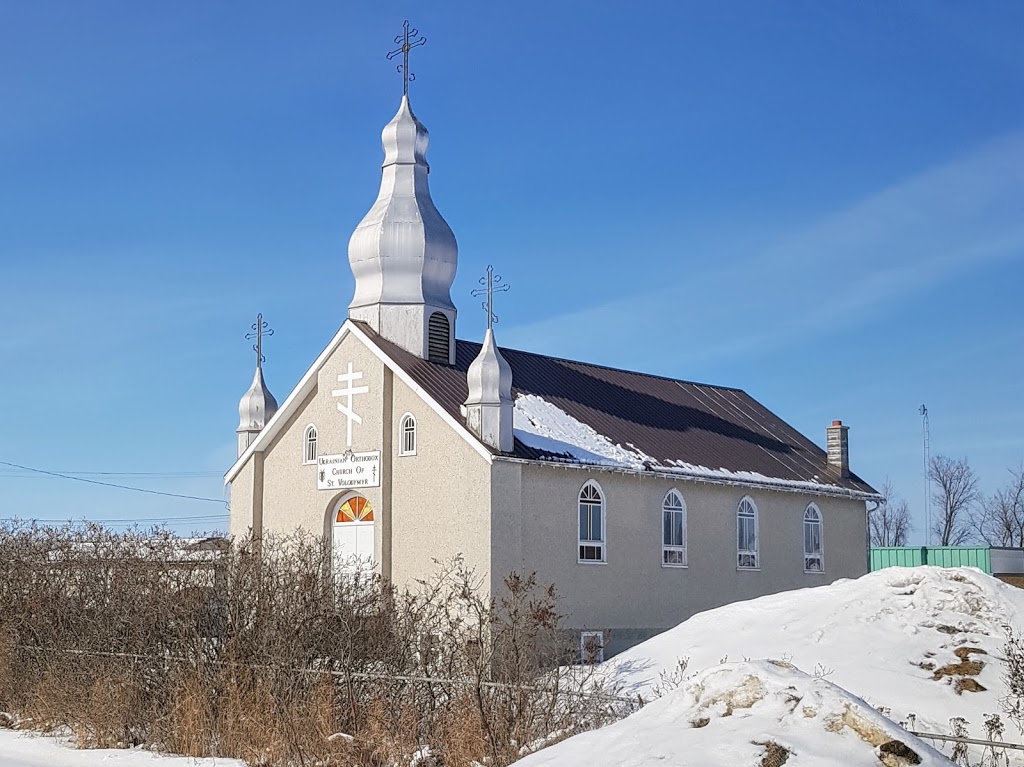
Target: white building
643,499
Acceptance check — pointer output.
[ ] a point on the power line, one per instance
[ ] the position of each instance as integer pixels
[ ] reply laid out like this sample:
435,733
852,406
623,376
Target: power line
120,522
111,484
154,474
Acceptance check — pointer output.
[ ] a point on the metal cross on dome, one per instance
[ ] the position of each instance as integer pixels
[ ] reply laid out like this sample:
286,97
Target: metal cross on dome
260,328
406,44
492,284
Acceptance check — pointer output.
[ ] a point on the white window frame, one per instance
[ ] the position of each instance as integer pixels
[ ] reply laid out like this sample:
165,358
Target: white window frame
306,460
813,516
408,418
673,551
748,559
585,638
600,543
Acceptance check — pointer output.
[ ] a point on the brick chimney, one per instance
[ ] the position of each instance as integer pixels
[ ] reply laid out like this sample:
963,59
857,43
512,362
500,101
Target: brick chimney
837,446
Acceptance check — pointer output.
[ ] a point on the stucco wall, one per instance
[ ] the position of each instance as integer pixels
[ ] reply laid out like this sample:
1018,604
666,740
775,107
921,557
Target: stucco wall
240,520
432,505
633,595
441,496
291,499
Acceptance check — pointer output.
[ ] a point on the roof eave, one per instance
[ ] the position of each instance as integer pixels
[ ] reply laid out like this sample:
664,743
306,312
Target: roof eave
780,485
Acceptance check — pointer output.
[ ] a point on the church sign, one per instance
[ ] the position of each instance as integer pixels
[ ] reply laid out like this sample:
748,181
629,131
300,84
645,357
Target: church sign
337,472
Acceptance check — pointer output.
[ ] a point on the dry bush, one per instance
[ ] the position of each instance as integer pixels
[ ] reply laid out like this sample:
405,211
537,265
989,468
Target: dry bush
259,650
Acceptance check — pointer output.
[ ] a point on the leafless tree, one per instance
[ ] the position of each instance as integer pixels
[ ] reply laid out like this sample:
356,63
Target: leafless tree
1000,520
956,497
890,522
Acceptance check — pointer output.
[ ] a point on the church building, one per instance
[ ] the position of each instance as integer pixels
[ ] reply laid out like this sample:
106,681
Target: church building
644,499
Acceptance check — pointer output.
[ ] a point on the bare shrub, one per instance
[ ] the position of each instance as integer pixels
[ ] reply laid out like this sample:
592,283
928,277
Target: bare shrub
260,650
1012,702
956,498
889,523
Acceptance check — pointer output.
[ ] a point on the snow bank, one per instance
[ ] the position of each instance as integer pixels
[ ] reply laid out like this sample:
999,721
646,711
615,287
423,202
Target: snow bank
747,714
897,638
24,749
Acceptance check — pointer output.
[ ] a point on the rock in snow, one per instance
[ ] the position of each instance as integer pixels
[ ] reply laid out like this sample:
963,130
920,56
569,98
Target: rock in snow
749,713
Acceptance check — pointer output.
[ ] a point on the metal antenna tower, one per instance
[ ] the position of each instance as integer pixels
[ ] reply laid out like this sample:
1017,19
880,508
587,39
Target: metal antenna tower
926,433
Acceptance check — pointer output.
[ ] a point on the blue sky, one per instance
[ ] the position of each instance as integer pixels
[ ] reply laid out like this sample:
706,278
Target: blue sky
821,203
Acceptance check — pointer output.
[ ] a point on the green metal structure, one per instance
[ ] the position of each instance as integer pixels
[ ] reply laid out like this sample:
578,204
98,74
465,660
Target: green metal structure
940,556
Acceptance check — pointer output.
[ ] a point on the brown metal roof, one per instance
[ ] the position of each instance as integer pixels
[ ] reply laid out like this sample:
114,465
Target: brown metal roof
711,426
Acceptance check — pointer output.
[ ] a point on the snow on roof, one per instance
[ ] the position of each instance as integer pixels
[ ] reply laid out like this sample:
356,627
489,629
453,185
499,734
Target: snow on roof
745,714
556,434
543,426
895,638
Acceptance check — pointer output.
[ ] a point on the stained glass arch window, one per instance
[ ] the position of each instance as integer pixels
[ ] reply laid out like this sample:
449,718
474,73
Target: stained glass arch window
355,509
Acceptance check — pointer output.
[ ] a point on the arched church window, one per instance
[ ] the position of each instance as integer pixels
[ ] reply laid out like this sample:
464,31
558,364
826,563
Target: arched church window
438,338
407,435
814,561
355,509
746,535
592,536
673,535
309,453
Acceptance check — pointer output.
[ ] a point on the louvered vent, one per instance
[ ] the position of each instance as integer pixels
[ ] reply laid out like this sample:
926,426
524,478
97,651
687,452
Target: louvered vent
438,338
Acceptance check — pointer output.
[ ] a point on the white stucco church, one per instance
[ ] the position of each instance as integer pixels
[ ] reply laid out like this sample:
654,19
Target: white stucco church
643,499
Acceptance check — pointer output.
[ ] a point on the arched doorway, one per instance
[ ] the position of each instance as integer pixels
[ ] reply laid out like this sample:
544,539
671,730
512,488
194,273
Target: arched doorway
352,534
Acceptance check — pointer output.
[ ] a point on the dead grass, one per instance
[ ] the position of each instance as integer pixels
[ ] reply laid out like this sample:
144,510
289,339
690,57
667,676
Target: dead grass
259,652
966,666
774,754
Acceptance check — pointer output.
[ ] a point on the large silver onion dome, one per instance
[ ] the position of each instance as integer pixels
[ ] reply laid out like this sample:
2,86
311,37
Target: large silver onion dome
403,251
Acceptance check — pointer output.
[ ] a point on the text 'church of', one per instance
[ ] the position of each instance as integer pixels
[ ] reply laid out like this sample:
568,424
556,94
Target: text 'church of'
643,499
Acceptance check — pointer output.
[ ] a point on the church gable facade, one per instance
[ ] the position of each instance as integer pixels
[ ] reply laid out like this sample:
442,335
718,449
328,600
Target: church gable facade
425,484
643,499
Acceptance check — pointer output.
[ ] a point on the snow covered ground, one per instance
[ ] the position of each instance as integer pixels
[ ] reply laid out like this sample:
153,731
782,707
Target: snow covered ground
748,713
897,638
25,749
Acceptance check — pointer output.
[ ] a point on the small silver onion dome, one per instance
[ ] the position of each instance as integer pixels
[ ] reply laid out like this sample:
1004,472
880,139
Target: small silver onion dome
257,406
488,407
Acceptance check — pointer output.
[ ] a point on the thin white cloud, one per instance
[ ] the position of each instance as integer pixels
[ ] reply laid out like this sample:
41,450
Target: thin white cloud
904,239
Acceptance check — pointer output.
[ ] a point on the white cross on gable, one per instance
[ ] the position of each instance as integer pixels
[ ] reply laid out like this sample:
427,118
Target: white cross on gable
348,392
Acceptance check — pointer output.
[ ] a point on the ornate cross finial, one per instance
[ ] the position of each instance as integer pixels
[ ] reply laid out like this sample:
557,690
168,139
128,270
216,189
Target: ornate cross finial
405,44
492,284
260,328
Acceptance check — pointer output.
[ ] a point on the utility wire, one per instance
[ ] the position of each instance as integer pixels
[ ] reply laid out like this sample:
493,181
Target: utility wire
132,520
111,484
156,474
